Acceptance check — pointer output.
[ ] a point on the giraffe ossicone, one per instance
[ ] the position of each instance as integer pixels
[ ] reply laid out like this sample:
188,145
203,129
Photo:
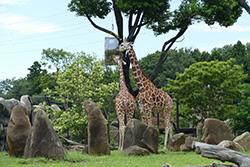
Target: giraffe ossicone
149,97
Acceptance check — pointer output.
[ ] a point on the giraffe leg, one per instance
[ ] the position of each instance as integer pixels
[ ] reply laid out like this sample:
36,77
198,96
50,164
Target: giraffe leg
168,128
120,114
122,131
147,111
121,139
143,114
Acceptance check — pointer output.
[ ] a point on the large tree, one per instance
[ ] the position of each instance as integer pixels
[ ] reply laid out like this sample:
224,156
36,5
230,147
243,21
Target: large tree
209,89
158,16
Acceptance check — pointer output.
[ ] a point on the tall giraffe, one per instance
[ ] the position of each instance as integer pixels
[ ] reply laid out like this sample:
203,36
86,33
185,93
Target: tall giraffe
124,102
149,97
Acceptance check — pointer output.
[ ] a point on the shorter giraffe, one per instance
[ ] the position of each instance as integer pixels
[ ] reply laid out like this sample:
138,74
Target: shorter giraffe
124,102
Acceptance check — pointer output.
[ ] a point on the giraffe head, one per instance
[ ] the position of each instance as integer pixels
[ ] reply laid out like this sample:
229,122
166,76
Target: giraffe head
118,59
125,45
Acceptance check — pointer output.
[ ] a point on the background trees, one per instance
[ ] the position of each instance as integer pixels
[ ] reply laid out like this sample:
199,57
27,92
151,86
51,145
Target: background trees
82,80
178,60
209,89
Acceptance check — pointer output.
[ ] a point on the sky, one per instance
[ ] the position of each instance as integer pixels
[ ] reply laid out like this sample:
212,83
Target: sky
29,26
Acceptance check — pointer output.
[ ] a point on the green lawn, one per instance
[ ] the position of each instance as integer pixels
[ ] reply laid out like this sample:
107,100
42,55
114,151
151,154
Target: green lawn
75,159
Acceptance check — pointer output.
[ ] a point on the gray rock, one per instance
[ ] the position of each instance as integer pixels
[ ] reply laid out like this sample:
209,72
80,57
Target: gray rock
85,149
97,130
231,145
74,148
7,105
135,150
244,140
138,133
114,135
189,141
43,140
176,141
114,124
215,131
26,100
18,131
5,112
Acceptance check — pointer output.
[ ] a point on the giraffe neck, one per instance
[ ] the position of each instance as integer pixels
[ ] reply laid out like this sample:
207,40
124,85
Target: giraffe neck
122,78
139,75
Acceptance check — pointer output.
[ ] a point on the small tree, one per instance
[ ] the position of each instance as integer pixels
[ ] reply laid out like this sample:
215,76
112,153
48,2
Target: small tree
209,89
80,81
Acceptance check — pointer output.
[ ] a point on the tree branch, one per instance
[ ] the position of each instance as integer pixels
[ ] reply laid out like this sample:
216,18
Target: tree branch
130,20
164,50
133,29
139,27
100,28
244,5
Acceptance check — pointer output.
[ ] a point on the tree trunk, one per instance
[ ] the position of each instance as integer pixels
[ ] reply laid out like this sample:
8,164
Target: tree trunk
222,154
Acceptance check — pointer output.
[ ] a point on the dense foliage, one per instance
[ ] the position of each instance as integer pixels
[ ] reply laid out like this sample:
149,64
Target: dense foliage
82,80
177,61
209,89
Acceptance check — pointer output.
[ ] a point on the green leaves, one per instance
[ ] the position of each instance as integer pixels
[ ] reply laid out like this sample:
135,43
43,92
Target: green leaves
95,8
209,88
225,12
81,80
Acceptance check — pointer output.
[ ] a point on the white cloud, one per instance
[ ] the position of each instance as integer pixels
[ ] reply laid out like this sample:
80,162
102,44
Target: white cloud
14,2
25,25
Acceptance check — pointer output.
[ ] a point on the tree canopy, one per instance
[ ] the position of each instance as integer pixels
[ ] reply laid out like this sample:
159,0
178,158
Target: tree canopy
209,89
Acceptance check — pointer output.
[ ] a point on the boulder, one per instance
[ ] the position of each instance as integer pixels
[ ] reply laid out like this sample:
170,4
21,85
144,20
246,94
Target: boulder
135,150
97,130
231,145
18,131
43,140
215,131
176,141
114,132
114,124
7,105
85,149
189,141
244,140
187,146
78,147
26,100
5,112
55,108
138,133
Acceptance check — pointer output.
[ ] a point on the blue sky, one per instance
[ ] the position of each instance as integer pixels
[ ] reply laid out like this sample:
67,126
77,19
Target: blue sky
29,26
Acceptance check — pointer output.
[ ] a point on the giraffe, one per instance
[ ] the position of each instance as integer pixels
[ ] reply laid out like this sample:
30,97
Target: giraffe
149,97
124,102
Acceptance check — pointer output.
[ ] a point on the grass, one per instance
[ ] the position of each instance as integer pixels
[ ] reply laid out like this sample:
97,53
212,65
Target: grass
77,159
